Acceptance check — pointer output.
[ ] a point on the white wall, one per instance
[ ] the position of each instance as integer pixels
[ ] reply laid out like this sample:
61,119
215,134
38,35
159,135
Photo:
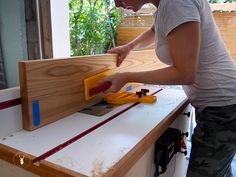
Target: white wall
60,28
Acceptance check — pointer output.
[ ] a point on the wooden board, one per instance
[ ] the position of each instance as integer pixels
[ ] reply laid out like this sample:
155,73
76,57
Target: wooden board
52,89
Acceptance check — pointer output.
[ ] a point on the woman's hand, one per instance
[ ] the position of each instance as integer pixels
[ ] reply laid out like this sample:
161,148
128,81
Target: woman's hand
122,52
140,42
118,80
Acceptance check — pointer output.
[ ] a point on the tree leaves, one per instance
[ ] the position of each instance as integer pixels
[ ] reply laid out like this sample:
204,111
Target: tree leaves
92,26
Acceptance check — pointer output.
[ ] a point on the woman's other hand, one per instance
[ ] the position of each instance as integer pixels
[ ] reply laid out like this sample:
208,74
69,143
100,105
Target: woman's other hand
122,52
118,80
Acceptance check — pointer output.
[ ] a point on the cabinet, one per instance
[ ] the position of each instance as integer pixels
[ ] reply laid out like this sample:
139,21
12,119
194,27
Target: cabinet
145,166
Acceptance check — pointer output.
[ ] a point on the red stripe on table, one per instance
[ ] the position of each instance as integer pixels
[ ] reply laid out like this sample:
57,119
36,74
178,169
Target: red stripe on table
10,103
77,137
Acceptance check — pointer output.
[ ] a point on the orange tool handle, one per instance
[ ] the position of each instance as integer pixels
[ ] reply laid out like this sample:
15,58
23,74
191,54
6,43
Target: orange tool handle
100,88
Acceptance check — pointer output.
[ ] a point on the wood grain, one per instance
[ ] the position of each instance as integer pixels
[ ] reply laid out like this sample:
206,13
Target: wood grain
57,84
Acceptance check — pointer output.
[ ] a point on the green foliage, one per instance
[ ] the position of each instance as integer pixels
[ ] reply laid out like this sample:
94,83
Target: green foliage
92,26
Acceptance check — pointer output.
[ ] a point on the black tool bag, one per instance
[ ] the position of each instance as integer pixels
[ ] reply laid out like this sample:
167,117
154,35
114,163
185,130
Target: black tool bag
170,142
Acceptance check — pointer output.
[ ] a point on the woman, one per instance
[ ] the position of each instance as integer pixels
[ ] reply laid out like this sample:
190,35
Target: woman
186,38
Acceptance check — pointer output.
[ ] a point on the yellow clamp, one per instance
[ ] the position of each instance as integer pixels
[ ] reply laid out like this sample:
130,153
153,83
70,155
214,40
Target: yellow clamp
127,97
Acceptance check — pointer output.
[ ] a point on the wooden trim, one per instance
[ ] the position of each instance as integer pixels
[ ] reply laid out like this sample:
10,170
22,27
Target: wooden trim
32,29
47,30
122,167
45,169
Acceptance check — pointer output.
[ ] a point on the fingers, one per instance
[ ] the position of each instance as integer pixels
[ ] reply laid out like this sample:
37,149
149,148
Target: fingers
115,85
106,79
119,60
121,54
101,81
113,50
111,89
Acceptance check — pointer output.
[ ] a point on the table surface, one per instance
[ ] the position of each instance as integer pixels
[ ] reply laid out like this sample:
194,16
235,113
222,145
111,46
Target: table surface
101,149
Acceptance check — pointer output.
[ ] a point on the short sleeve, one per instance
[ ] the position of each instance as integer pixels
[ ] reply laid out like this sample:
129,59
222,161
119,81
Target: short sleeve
177,12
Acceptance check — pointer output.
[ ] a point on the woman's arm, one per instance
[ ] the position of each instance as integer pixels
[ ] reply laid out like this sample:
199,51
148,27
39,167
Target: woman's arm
184,44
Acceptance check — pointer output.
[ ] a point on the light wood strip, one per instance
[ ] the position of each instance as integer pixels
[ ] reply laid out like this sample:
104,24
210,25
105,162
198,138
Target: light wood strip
57,84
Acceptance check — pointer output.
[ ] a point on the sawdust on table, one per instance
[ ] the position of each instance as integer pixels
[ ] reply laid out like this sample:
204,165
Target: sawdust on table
67,161
98,166
98,169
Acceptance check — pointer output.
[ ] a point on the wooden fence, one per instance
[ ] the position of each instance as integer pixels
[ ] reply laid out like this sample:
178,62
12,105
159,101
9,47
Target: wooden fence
132,26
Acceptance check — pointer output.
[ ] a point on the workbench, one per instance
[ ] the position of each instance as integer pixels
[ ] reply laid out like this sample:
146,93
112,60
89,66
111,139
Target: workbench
122,147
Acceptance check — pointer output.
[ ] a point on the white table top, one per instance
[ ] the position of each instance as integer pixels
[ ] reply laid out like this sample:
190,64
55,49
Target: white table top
98,151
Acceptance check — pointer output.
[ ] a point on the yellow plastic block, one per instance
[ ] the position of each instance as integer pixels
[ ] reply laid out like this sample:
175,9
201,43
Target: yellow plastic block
127,97
92,82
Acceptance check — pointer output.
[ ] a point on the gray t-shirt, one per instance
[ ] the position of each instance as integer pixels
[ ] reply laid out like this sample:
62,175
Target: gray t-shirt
215,84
